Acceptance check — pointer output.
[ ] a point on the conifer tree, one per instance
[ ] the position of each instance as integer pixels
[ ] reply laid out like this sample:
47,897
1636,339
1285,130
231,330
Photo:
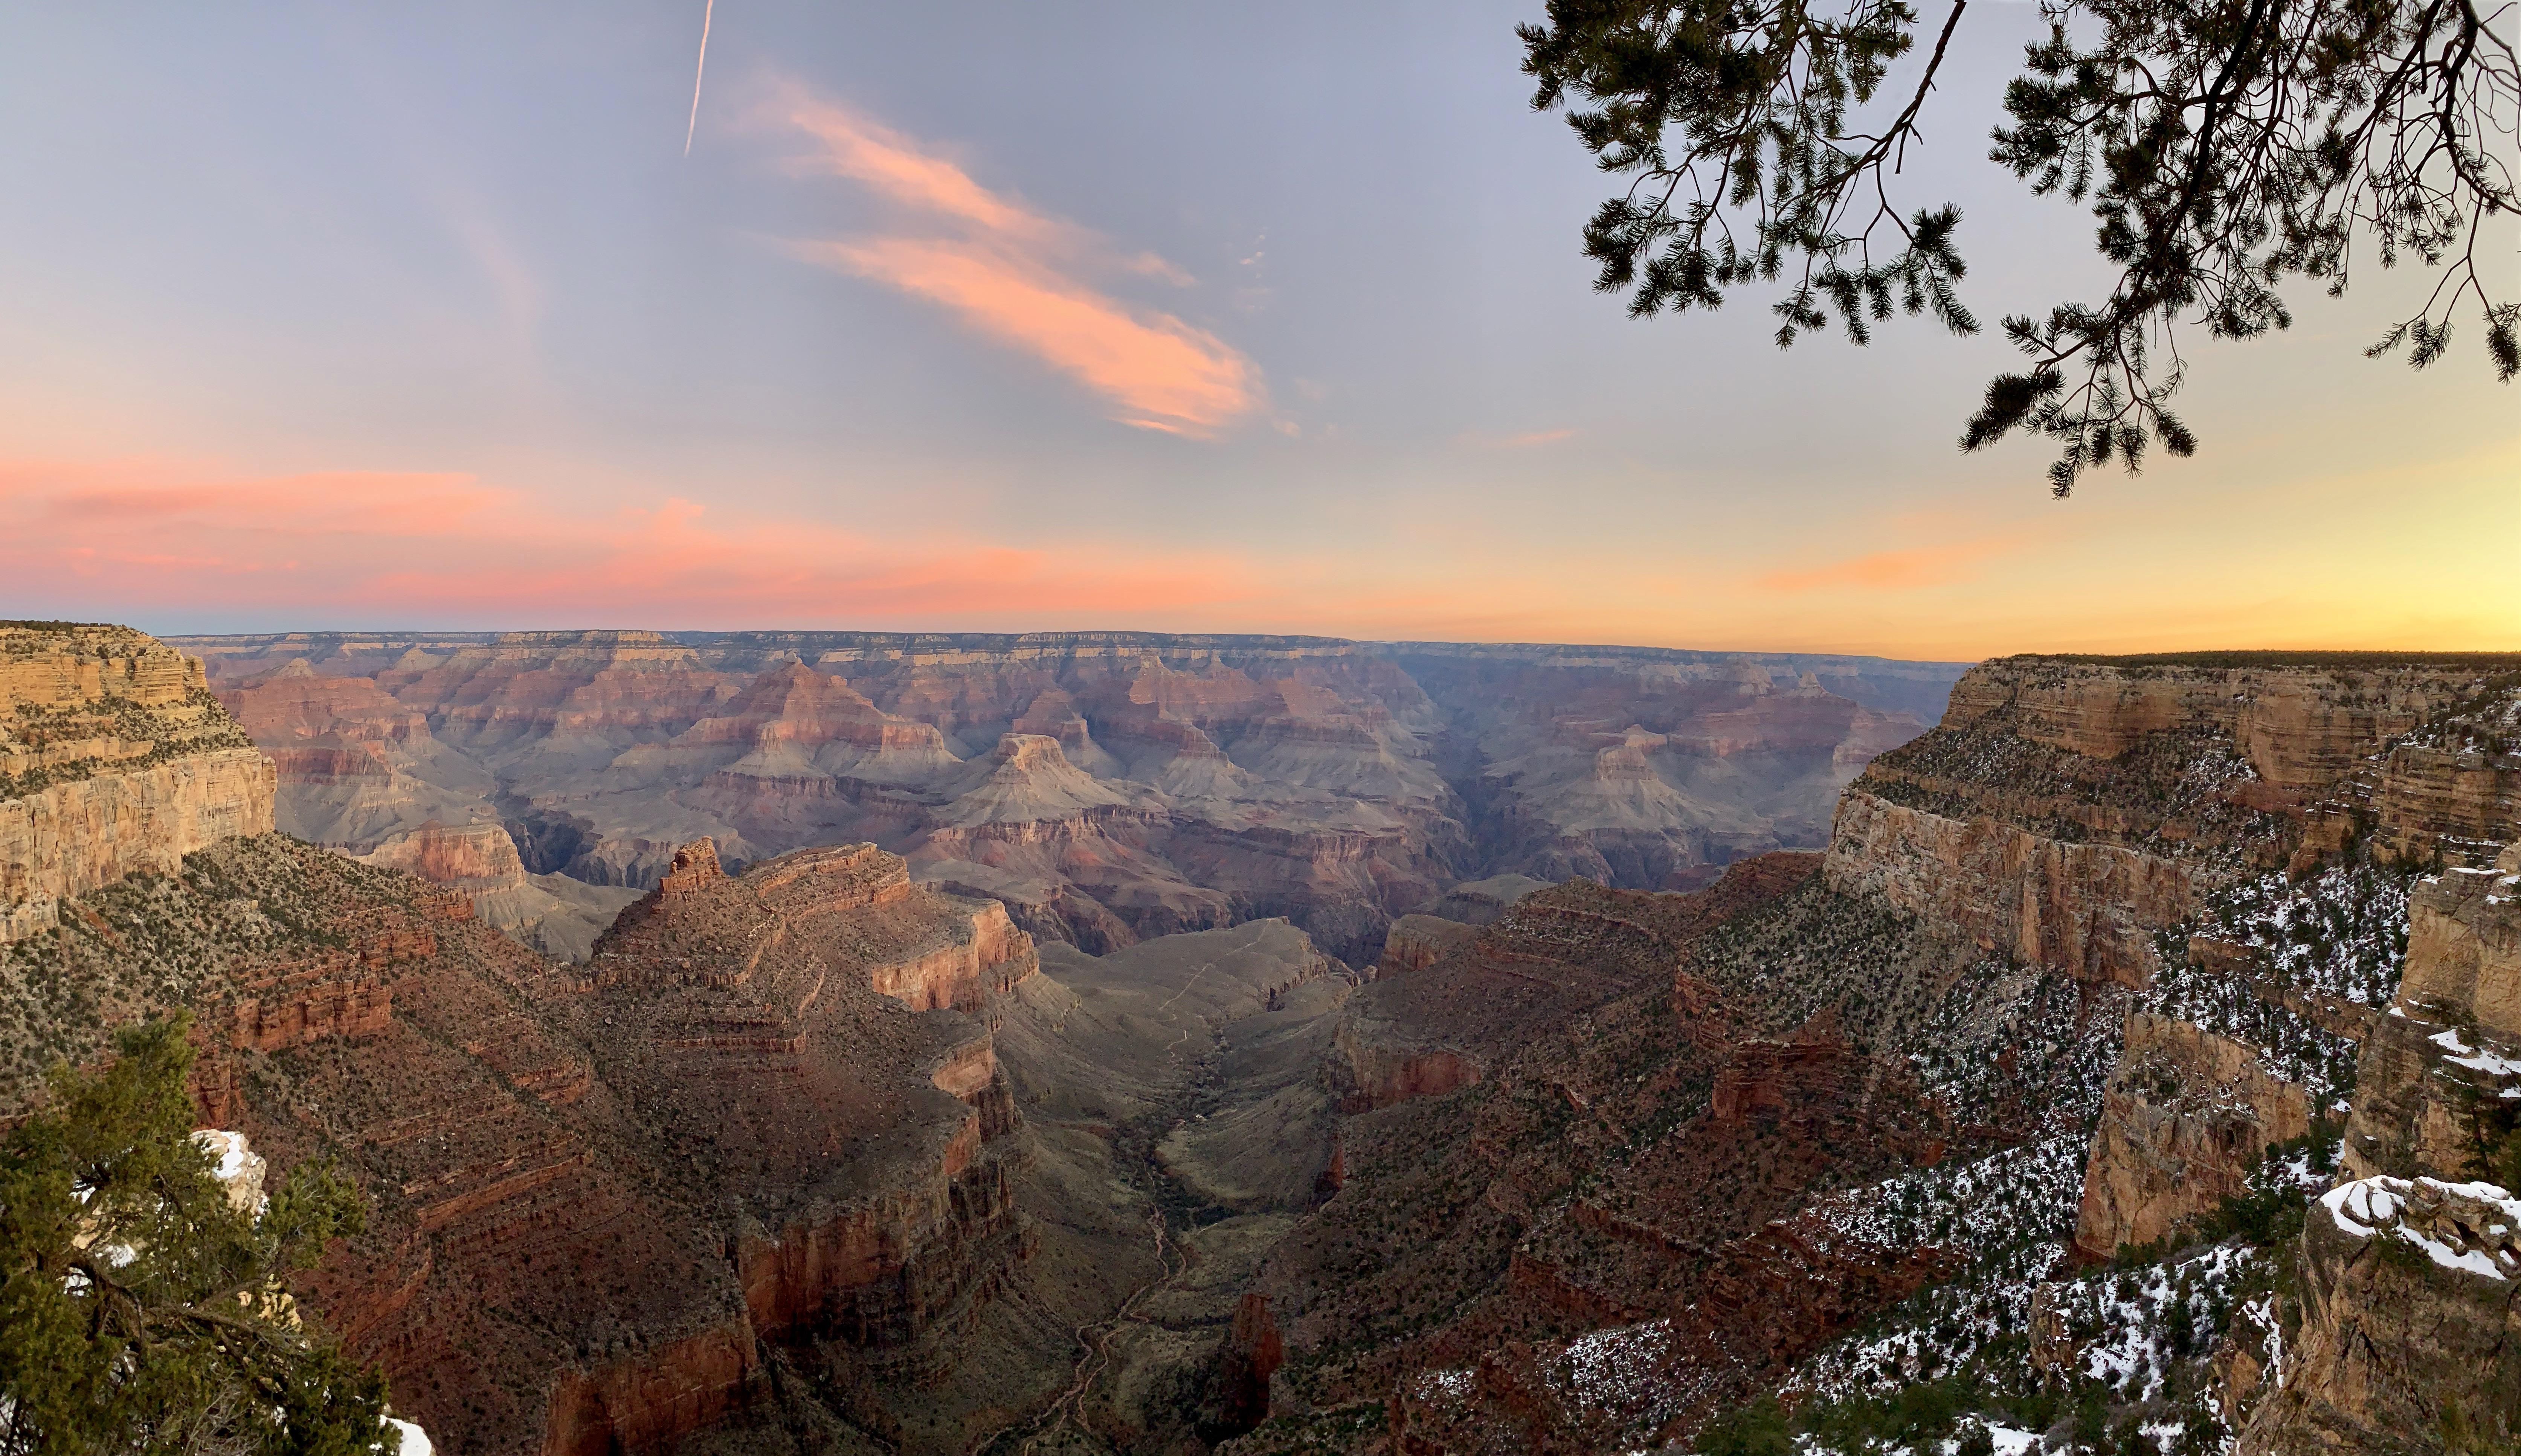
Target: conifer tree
2222,146
140,1309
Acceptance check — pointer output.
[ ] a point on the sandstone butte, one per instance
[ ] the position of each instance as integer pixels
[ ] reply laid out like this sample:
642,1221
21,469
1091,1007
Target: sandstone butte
1105,787
798,1152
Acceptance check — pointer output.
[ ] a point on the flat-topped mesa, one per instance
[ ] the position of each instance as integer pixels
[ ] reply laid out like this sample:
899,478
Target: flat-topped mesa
114,759
73,664
471,857
2068,809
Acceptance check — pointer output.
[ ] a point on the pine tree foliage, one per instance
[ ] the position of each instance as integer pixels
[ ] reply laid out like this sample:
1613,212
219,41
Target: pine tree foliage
2222,146
144,1311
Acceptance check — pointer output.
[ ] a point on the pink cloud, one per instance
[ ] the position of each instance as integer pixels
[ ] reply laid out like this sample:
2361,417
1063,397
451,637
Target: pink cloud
134,538
1018,276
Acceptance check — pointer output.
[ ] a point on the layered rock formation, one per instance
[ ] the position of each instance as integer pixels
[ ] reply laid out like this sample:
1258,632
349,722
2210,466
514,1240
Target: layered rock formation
114,760
601,1198
2069,810
2078,958
2188,1117
1105,787
2410,1333
2410,1321
549,912
1579,1201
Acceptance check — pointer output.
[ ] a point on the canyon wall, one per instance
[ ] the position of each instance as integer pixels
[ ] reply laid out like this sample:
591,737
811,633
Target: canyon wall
2411,1323
2075,962
601,1196
114,760
762,1120
2067,811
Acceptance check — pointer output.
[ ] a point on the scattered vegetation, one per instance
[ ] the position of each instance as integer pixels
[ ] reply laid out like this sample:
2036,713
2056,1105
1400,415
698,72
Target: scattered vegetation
145,1309
155,941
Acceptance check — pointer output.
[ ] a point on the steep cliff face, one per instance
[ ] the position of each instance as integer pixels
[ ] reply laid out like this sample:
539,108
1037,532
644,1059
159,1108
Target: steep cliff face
2067,811
2091,908
114,760
2187,1118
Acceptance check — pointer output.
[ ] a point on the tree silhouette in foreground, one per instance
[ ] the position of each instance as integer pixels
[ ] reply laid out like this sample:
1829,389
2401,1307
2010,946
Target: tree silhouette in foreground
142,1310
2223,146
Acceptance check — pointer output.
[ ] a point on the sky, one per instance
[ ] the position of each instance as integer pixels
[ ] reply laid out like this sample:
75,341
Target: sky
1061,315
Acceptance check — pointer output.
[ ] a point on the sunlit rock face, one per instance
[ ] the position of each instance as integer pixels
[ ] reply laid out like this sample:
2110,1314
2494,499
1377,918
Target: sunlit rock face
2067,810
1105,787
2410,1336
114,760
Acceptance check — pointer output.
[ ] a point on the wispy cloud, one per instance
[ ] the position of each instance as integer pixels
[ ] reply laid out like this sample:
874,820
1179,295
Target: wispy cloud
1018,276
1892,571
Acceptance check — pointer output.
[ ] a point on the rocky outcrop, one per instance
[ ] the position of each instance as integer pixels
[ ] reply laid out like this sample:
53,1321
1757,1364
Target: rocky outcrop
1415,942
2187,1116
1252,1352
2439,1088
113,761
2411,1334
810,993
1383,1073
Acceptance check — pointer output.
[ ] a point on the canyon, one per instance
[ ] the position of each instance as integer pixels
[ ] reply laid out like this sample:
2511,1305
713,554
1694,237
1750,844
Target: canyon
1105,787
1128,1044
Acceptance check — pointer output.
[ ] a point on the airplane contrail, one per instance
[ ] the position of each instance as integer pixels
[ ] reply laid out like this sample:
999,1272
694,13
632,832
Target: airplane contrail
697,71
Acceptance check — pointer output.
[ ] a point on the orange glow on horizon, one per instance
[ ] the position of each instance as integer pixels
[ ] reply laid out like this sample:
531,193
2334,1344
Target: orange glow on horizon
148,539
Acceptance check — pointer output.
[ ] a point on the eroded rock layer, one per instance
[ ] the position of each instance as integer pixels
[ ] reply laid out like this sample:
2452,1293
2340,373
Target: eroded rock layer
1104,787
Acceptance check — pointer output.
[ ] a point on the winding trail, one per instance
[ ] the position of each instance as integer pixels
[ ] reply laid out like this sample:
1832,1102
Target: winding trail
1204,967
1094,1343
1094,1339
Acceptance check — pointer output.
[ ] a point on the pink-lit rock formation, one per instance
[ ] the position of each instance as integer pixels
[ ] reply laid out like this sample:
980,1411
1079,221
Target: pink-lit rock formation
1201,781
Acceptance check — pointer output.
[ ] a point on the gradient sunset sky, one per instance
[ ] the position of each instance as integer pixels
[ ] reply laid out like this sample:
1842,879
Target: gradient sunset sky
1040,316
